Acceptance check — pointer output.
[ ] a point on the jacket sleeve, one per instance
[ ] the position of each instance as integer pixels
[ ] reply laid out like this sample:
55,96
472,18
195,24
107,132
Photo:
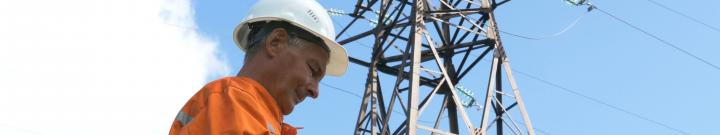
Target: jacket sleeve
218,113
288,129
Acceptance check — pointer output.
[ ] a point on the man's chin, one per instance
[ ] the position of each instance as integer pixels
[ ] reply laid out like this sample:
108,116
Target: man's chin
288,110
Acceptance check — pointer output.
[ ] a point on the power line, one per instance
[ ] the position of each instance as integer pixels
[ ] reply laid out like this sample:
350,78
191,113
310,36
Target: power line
602,102
657,38
342,90
591,98
596,100
685,15
568,27
358,96
558,86
592,6
566,90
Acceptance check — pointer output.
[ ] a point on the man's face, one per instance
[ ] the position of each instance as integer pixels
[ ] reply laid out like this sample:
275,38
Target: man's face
301,67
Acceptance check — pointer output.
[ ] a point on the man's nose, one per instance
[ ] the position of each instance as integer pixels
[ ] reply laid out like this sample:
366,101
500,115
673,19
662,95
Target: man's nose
313,90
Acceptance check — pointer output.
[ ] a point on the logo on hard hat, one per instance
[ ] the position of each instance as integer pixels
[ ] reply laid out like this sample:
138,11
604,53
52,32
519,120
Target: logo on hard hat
312,14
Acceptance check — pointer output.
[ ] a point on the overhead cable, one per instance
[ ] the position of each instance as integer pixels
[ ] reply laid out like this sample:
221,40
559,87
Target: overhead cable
602,102
568,27
574,92
685,15
658,38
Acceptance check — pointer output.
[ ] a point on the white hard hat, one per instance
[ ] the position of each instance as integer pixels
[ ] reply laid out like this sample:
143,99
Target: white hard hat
305,14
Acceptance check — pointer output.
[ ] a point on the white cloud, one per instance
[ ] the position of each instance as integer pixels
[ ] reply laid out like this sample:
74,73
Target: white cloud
99,67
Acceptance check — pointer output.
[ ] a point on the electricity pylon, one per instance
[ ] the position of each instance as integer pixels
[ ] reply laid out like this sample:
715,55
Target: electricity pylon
434,43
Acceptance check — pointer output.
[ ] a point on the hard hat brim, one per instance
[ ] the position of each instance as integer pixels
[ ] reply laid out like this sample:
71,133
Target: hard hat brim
337,63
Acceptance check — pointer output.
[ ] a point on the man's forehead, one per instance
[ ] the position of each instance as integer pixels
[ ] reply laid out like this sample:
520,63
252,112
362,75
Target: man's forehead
314,49
320,44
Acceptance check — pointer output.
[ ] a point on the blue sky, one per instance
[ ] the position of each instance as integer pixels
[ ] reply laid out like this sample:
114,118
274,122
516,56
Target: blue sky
599,57
88,66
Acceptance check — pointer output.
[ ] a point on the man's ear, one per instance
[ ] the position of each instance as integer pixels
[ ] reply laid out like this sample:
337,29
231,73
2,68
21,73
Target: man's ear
276,42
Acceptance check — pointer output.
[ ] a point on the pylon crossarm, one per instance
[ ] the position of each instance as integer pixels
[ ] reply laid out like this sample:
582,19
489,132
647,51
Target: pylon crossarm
458,26
463,16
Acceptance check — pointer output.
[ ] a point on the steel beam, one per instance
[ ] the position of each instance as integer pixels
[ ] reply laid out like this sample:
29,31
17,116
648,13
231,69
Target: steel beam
415,40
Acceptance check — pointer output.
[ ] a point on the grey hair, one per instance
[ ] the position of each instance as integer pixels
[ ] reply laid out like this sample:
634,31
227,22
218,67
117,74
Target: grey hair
260,30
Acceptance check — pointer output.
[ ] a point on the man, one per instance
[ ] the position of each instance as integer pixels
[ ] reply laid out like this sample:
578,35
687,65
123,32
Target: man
289,47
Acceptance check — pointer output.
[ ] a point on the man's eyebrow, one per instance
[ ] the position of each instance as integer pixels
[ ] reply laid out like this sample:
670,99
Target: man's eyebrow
320,69
312,65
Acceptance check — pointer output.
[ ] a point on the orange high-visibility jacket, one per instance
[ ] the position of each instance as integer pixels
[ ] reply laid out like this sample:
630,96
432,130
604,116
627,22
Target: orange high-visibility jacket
231,106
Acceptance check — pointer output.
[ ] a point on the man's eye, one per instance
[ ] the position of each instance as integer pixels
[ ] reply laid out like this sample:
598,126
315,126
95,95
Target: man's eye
312,70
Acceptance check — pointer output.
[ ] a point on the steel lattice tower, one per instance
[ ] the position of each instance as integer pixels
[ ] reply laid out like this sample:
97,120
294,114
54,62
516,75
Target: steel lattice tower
426,46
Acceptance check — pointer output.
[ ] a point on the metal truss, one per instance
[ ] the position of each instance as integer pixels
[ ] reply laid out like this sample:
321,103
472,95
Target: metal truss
430,38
